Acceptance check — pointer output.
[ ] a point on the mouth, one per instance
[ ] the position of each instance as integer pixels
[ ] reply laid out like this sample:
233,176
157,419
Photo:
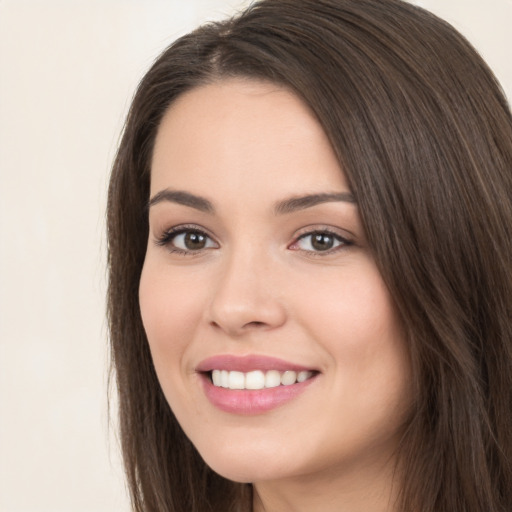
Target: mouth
258,379
251,385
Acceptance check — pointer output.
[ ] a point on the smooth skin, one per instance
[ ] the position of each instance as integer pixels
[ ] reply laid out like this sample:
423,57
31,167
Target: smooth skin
251,272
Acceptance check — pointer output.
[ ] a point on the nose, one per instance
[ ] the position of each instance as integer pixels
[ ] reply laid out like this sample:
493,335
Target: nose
246,296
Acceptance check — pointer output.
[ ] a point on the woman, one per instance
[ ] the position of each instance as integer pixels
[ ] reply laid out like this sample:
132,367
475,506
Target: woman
310,225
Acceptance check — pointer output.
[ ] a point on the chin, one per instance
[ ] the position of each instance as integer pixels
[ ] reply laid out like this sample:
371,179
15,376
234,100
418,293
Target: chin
240,466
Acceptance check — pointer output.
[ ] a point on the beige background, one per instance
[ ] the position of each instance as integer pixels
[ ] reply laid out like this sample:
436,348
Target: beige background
67,72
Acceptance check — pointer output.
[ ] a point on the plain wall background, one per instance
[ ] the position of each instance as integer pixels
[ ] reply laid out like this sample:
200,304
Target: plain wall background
68,70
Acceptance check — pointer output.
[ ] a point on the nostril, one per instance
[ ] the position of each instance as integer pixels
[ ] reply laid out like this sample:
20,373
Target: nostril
255,324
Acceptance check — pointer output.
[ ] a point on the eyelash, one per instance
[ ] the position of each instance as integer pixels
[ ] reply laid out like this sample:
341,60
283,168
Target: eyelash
167,238
343,243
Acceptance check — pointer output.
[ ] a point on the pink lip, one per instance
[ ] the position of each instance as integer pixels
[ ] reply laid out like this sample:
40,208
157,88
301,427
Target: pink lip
250,402
247,364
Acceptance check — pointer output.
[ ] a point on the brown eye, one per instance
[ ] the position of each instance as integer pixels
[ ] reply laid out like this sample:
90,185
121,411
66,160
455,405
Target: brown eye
194,241
320,241
187,241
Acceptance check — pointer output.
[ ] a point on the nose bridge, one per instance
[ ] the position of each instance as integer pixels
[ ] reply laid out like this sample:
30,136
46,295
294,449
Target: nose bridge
246,293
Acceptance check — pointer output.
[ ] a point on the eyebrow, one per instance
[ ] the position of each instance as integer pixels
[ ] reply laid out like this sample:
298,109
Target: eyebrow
302,202
184,198
281,208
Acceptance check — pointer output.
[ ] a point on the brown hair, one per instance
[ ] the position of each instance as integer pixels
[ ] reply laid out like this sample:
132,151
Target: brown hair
424,135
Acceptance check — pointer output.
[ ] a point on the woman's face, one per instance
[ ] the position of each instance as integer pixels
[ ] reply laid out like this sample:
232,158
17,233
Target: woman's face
258,275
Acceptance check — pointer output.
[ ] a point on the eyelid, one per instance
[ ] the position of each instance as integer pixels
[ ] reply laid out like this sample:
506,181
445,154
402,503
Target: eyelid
168,235
325,228
329,230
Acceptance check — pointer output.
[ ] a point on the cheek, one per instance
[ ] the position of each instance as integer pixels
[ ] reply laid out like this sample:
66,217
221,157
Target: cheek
352,312
355,322
170,313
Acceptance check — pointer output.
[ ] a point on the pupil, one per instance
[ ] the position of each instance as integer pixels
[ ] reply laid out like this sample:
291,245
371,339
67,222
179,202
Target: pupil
322,242
195,241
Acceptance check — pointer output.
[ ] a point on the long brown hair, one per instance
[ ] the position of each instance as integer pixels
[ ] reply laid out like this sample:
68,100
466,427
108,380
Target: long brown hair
424,135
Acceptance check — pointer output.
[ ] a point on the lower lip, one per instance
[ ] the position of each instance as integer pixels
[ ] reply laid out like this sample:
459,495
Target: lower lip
251,402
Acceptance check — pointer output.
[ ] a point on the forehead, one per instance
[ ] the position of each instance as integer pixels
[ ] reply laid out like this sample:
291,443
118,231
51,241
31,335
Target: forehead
244,136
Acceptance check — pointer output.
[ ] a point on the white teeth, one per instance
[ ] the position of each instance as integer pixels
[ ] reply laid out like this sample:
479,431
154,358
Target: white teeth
257,379
272,379
236,380
288,378
216,378
302,376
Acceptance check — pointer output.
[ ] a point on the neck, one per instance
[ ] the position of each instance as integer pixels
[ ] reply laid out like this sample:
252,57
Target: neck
365,489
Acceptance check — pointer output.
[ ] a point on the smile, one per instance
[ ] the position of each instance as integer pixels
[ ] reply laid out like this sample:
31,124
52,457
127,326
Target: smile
258,379
253,384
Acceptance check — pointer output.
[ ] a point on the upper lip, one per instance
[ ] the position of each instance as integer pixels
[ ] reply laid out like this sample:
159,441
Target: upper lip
248,363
